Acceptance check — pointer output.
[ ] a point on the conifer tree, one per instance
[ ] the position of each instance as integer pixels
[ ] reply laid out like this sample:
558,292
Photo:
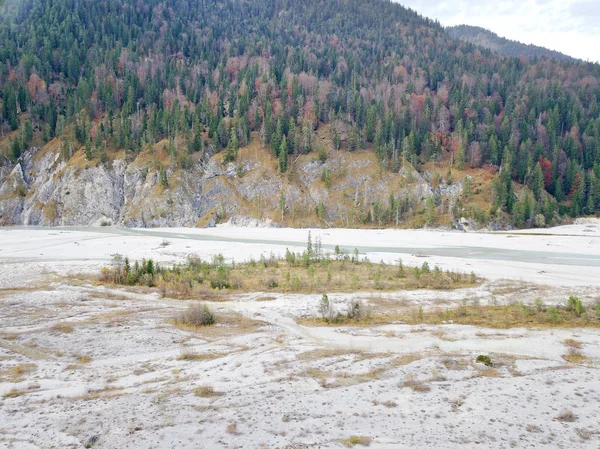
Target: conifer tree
283,156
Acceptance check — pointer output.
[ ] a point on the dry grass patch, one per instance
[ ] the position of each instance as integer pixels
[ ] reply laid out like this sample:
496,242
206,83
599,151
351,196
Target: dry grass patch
489,372
573,343
405,359
229,324
17,373
30,351
107,295
14,393
196,357
402,360
495,317
459,364
504,288
81,360
107,392
232,429
38,286
574,355
9,336
356,440
62,328
318,373
84,359
207,391
389,303
343,378
336,379
317,354
416,385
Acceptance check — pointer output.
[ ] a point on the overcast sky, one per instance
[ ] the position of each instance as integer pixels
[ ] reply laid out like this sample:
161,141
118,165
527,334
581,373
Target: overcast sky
569,26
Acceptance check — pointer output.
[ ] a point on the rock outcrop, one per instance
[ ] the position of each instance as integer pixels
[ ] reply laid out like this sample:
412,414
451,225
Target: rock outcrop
43,189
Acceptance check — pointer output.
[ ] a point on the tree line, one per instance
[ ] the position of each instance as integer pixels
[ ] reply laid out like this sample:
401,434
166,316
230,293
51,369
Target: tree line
204,75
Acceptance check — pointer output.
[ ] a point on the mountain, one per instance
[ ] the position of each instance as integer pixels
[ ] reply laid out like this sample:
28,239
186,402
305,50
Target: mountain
320,112
488,39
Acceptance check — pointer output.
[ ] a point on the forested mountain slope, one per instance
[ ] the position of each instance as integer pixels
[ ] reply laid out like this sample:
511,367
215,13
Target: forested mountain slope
122,110
508,47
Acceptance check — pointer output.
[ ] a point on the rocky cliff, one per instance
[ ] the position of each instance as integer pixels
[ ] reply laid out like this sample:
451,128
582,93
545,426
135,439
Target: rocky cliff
343,189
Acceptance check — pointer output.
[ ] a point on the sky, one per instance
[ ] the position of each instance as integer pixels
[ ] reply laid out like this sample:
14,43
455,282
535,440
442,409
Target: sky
569,26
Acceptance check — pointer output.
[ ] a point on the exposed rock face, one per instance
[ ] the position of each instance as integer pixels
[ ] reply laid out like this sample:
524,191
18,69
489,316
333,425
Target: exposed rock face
42,189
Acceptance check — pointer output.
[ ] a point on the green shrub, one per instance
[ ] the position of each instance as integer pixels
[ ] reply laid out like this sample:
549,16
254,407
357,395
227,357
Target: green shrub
271,283
220,279
197,316
325,308
357,311
539,305
326,177
485,359
553,315
575,306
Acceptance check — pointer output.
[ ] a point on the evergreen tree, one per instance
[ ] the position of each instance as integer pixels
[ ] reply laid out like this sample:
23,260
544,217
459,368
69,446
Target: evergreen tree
283,156
537,182
232,147
276,138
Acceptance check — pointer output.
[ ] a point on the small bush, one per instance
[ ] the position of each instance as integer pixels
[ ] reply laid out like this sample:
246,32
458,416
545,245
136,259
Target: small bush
573,343
197,316
220,279
206,392
584,434
271,283
566,416
574,355
357,311
485,359
325,308
540,221
553,315
322,154
575,306
326,177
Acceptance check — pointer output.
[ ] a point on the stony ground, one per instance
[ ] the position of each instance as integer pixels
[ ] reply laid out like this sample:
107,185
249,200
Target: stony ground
83,365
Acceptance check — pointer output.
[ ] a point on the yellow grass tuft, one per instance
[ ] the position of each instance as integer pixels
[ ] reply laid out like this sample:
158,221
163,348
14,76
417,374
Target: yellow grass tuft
63,328
14,393
574,355
356,440
194,357
207,392
17,373
573,343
